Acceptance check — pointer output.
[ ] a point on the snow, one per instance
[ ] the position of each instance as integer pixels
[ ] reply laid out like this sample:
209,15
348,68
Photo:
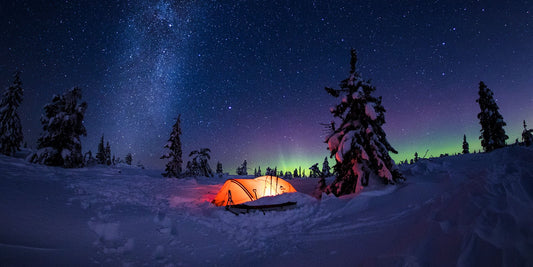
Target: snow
370,112
474,209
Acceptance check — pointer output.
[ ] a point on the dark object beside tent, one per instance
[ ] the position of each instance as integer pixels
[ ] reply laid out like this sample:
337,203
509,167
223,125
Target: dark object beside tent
244,208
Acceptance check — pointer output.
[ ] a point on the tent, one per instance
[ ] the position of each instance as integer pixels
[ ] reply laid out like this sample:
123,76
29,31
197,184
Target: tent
237,191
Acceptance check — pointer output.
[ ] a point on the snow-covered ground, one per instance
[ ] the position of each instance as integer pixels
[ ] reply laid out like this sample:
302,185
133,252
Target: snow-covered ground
474,210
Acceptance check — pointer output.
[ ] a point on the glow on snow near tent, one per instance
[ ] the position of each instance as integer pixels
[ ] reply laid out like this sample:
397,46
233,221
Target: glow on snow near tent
237,191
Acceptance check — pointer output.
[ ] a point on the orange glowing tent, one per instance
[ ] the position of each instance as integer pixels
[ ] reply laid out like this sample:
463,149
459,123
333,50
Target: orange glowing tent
237,191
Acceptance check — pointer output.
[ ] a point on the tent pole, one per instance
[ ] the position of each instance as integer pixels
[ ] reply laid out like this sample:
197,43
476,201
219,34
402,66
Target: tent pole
277,185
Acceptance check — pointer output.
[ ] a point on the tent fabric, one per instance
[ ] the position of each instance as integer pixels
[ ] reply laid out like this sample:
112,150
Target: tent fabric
237,191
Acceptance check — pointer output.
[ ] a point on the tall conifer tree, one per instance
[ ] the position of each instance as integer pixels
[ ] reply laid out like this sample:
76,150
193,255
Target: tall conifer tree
465,145
492,133
100,154
11,136
173,167
359,144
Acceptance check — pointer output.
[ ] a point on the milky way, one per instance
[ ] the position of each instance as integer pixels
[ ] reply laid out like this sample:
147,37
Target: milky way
248,76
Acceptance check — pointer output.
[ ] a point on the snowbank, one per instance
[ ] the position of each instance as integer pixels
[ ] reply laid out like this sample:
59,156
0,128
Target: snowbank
472,209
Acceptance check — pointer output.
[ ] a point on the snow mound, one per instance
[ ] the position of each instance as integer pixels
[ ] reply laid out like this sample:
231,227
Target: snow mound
474,210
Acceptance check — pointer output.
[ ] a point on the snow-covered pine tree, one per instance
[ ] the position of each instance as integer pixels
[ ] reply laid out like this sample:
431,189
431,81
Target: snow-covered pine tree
492,133
59,143
243,169
465,145
173,166
128,158
314,171
88,159
219,170
326,170
11,136
359,144
527,136
108,154
258,171
200,164
100,155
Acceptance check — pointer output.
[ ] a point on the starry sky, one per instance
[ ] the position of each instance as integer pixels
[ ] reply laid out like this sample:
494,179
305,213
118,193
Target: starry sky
248,77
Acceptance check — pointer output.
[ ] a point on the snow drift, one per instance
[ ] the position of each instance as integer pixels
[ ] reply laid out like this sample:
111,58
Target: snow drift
474,209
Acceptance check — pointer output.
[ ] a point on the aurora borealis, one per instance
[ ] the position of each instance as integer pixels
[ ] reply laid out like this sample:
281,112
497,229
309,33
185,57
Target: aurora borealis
248,77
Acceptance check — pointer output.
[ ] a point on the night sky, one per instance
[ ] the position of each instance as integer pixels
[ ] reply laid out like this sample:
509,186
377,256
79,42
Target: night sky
248,77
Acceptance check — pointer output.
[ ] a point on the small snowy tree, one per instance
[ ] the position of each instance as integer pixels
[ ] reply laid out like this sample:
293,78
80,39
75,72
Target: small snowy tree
200,164
243,169
359,144
100,155
219,170
108,154
268,171
314,171
11,136
59,143
128,158
173,166
492,133
527,136
88,159
465,145
326,170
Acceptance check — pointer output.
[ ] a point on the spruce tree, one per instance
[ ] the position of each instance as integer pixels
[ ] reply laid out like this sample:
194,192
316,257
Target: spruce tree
326,170
243,169
465,145
492,133
62,121
259,171
173,166
128,159
527,136
359,144
314,171
11,136
100,155
108,154
200,162
219,170
295,173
